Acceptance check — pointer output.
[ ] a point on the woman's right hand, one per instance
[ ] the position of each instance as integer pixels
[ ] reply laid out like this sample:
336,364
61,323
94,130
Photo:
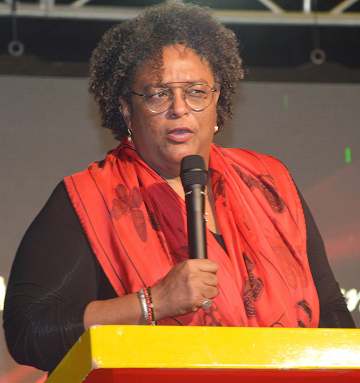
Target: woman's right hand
185,288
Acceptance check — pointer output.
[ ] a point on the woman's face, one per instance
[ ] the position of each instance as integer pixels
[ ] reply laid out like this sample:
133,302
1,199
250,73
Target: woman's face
163,139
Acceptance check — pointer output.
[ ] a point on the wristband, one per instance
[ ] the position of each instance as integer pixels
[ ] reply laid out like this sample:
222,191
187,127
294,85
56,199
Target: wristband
147,306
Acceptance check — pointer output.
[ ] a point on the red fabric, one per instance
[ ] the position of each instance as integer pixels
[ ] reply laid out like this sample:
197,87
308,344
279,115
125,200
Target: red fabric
136,225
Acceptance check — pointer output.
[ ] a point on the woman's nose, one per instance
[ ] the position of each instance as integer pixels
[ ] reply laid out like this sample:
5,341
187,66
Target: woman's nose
179,106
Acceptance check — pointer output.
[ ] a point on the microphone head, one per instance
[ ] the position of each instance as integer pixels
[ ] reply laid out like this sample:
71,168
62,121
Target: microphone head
193,171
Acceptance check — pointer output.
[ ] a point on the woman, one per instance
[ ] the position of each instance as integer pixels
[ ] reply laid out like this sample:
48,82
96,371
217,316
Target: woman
110,245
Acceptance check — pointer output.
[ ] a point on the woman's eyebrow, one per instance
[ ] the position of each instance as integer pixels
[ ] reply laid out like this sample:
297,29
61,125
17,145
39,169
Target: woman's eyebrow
165,84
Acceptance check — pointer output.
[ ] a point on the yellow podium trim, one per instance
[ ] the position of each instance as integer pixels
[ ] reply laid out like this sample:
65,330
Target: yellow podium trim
209,347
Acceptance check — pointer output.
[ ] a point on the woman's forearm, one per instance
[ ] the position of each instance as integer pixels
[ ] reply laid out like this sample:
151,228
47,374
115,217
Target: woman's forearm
121,310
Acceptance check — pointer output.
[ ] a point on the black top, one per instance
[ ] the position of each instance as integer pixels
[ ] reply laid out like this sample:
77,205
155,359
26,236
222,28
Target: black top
43,314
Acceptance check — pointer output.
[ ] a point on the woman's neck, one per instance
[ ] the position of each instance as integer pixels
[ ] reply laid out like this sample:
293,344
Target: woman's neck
176,185
210,216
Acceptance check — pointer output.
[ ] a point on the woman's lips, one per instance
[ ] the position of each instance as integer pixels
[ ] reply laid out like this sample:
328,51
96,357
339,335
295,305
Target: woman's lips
179,135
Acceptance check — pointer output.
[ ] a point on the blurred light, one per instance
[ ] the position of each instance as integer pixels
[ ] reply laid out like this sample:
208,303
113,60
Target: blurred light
307,6
352,297
286,102
2,293
348,158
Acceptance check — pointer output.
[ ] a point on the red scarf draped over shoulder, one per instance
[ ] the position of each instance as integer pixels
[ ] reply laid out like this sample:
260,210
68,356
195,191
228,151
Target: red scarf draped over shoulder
136,227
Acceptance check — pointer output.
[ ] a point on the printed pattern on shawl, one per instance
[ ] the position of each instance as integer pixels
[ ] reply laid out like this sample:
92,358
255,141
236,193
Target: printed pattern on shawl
136,225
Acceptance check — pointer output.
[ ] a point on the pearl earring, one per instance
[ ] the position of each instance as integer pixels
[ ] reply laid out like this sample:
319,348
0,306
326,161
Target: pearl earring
129,132
216,128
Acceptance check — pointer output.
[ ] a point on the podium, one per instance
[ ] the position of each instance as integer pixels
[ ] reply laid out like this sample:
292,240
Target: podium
173,354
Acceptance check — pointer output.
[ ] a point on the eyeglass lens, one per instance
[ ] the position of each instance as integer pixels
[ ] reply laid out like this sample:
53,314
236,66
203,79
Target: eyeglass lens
196,96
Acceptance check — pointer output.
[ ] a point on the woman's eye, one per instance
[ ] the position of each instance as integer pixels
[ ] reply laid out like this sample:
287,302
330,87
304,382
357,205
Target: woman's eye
163,94
196,92
159,94
199,91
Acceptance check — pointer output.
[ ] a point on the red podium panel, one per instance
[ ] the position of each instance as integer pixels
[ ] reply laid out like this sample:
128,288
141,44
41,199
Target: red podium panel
136,354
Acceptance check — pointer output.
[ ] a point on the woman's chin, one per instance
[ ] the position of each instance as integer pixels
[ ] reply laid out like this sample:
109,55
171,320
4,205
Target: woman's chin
167,162
177,153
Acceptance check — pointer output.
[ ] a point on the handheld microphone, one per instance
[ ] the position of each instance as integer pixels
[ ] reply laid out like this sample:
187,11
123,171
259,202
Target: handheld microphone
194,179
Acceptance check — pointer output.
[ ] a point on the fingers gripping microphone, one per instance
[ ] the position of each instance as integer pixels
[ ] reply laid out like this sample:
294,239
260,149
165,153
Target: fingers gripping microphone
194,179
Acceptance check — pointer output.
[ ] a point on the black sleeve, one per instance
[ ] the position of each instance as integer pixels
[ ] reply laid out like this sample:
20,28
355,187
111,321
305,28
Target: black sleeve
43,314
333,309
53,277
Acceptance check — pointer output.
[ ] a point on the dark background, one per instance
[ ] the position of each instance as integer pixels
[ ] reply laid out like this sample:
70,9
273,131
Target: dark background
305,114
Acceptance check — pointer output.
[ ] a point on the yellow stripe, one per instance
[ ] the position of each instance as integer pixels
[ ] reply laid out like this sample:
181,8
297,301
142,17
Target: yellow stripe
209,347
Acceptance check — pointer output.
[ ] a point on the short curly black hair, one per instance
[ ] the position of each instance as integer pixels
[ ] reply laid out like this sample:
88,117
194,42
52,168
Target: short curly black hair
127,45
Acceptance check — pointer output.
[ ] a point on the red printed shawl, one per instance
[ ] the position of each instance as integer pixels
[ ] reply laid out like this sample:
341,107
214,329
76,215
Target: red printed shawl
136,226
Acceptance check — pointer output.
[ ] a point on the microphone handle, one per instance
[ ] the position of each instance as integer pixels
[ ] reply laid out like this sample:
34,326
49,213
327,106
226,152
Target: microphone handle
195,206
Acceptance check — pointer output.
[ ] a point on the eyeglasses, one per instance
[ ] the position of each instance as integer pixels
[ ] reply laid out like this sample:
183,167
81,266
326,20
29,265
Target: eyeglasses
197,96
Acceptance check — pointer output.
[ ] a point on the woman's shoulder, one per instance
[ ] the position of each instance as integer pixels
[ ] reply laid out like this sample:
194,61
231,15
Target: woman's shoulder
262,160
58,204
55,216
271,173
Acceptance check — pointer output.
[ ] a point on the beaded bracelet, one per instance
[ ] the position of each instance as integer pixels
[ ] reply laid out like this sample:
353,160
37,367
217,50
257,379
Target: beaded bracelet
144,307
150,306
147,306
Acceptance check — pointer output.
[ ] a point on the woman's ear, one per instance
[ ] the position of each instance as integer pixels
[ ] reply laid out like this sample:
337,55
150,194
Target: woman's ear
124,109
217,95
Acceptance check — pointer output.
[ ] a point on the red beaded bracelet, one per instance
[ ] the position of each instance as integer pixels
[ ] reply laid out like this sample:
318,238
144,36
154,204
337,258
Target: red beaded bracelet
150,306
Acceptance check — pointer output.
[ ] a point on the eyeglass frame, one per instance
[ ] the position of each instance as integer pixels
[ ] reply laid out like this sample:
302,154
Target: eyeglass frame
213,89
